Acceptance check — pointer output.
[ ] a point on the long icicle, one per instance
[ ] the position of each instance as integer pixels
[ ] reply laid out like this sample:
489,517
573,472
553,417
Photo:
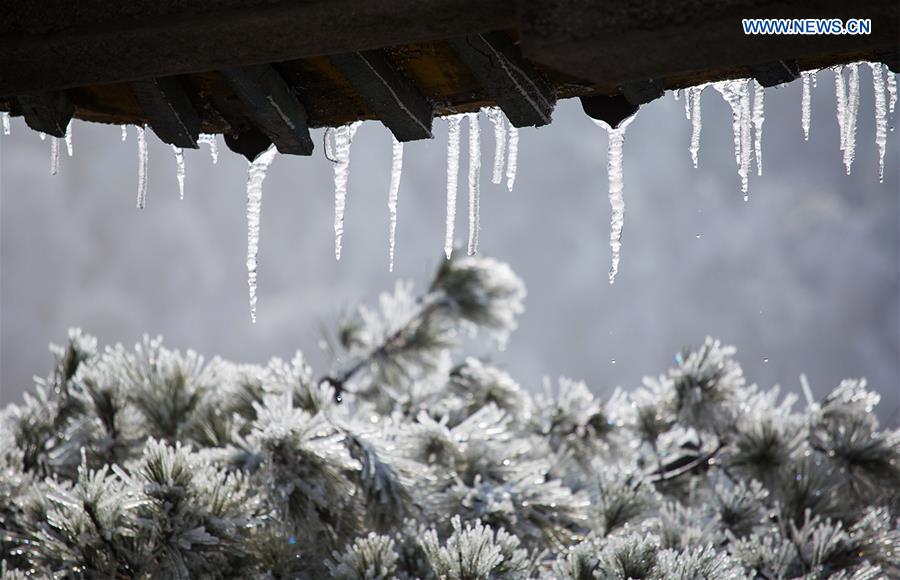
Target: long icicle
342,139
70,149
54,155
452,181
851,115
255,177
880,116
179,170
693,96
393,195
474,182
616,184
142,167
499,120
840,99
758,119
736,94
746,140
688,102
806,103
4,116
512,157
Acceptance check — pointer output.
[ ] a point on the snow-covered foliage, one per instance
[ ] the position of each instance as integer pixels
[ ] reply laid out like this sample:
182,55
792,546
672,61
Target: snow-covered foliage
409,460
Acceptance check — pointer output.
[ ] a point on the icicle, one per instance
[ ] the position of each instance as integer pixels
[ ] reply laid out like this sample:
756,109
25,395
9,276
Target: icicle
42,135
255,177
124,132
142,167
474,179
393,193
213,145
676,94
5,119
616,183
851,115
512,155
69,148
342,138
497,118
737,94
693,96
688,104
880,116
840,97
892,90
179,164
758,119
806,102
54,155
452,179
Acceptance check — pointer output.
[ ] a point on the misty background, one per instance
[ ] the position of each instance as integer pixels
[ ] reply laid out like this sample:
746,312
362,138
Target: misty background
805,278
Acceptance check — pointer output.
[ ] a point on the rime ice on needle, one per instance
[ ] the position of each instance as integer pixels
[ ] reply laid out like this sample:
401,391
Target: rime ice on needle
880,116
210,140
343,136
806,102
616,183
474,182
452,181
179,164
255,177
758,119
499,122
393,194
142,167
512,157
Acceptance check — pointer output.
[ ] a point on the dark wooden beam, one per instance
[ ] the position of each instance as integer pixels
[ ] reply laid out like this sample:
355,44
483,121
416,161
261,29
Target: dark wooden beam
248,143
49,113
388,93
776,73
520,91
643,91
57,44
611,110
169,110
273,107
618,42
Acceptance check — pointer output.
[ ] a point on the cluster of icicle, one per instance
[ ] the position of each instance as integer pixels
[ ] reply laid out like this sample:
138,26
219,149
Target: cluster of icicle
744,96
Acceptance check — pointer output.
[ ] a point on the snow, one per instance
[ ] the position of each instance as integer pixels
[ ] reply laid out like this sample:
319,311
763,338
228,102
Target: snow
693,96
4,118
393,194
54,155
210,140
737,94
474,181
452,181
497,118
880,116
616,185
758,119
142,167
255,177
512,157
343,136
179,164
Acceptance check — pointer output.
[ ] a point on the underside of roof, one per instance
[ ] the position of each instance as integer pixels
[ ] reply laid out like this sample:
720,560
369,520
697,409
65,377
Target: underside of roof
265,71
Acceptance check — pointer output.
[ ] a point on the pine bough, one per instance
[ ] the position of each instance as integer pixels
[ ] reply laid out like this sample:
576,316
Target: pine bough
405,463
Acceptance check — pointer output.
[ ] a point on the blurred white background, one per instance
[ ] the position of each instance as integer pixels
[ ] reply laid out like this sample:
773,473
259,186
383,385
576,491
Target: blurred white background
805,278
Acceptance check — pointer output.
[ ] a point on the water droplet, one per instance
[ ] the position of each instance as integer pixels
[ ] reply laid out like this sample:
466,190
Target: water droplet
697,236
765,360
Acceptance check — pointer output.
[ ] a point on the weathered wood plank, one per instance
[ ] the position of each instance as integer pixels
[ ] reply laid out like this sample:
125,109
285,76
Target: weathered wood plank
776,73
49,113
169,110
274,108
388,93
